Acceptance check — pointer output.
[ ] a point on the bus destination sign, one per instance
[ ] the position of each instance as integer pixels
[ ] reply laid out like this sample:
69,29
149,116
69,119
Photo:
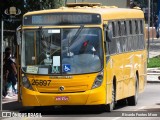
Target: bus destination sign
62,19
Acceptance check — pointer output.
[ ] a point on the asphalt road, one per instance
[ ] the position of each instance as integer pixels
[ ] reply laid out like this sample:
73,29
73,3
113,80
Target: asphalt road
149,102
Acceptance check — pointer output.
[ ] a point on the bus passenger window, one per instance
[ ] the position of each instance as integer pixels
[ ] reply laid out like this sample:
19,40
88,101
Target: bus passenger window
113,29
119,29
141,26
123,28
130,27
136,27
118,46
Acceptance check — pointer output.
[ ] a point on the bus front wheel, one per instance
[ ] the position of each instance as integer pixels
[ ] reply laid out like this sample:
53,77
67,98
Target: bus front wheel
110,107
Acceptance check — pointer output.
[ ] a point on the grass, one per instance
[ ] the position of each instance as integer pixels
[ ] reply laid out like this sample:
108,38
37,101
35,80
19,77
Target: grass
154,62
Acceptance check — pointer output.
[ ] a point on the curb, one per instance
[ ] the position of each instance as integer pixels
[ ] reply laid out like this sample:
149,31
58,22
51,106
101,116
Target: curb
153,73
153,81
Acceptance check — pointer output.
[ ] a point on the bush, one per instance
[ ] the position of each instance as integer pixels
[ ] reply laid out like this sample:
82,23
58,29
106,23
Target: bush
154,62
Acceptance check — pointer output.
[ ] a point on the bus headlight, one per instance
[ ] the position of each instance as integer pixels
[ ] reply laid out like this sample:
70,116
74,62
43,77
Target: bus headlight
98,81
26,83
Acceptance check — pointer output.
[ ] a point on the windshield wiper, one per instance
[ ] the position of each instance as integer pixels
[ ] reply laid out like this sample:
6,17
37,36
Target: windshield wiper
76,35
72,39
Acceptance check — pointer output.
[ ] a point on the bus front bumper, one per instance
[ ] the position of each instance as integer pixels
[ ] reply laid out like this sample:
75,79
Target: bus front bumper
95,96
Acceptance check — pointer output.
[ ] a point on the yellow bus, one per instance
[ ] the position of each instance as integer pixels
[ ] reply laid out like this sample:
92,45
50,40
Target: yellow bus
83,54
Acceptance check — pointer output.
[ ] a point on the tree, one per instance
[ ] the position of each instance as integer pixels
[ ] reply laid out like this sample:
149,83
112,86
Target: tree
32,5
25,6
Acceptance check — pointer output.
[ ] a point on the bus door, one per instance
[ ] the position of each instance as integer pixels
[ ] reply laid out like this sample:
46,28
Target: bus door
108,71
18,61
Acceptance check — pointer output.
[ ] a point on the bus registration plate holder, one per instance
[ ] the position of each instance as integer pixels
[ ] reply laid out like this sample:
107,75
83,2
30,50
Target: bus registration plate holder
61,98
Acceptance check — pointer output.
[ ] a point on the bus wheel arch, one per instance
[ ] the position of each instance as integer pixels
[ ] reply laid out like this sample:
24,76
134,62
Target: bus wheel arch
111,106
134,99
137,75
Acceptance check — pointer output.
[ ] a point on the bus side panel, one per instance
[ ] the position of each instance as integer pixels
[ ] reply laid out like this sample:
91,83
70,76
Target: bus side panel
124,69
109,80
117,72
143,71
128,74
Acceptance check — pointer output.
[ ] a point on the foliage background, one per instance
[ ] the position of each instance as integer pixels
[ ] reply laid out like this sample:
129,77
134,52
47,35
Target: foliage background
24,6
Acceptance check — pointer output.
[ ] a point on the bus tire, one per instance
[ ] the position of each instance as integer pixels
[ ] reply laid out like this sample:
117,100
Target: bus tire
110,107
134,99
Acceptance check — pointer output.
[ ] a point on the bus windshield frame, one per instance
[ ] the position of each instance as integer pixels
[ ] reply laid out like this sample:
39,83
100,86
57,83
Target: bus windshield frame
62,51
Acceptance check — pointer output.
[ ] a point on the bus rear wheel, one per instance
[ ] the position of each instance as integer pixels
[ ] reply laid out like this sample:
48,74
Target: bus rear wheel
134,99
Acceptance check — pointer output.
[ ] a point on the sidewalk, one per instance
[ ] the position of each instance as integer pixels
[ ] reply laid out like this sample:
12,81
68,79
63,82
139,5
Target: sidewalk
152,75
153,54
11,97
7,100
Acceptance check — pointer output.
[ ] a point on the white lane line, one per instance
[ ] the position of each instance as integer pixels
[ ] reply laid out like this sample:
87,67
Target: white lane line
116,118
140,108
8,101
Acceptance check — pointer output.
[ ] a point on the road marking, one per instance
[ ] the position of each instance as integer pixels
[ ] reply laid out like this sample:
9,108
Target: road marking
8,101
140,108
116,118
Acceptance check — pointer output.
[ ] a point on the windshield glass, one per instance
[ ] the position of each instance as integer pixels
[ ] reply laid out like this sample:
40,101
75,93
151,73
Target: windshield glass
62,51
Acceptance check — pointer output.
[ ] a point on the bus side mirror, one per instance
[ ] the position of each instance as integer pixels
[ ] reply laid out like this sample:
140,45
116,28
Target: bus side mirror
19,35
108,33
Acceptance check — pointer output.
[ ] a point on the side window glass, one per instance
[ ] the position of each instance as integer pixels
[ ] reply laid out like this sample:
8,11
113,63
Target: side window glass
119,28
136,27
141,26
112,44
123,28
133,27
112,48
113,28
130,27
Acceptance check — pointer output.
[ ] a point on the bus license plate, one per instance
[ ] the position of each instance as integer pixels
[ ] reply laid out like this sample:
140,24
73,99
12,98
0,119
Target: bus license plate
61,98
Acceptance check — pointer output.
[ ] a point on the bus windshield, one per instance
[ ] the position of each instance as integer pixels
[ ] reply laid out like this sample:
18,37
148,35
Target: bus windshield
62,51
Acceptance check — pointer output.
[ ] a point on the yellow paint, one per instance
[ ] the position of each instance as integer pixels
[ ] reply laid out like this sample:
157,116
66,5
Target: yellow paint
78,88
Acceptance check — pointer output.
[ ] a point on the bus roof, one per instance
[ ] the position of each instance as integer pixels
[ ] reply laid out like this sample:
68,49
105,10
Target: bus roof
107,12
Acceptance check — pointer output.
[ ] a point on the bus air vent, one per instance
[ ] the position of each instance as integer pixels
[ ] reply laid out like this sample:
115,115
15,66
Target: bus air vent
113,7
138,8
95,6
105,7
82,4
